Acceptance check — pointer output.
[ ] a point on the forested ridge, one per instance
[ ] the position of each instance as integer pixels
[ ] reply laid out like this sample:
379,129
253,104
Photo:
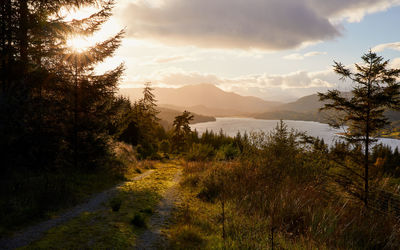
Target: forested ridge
65,134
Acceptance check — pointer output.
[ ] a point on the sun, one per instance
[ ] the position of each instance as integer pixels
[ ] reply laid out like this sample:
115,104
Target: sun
78,44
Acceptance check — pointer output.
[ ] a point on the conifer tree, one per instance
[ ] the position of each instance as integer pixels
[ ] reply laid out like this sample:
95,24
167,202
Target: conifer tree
181,130
44,83
376,89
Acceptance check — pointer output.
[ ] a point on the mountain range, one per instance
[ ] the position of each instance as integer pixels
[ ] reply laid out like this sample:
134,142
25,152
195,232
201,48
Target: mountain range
207,101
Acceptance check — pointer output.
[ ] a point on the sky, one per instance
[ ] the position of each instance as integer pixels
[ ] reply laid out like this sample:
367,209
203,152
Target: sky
278,50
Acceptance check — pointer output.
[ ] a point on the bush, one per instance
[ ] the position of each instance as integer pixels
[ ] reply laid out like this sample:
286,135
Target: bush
200,152
115,204
165,146
145,151
139,221
227,152
187,237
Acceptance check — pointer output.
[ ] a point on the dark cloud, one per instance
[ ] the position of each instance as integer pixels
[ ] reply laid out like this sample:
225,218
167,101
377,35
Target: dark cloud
244,24
273,24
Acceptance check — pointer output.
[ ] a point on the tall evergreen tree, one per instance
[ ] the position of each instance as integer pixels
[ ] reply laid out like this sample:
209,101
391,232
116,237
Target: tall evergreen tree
44,83
181,130
376,89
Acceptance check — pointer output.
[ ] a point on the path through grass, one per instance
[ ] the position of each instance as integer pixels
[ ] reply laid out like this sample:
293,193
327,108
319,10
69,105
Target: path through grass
117,224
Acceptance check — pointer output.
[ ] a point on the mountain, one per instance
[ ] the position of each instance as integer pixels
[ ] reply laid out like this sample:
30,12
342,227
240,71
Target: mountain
200,109
206,99
307,109
304,104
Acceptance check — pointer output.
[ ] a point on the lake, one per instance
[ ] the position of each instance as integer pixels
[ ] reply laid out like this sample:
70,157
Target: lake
231,126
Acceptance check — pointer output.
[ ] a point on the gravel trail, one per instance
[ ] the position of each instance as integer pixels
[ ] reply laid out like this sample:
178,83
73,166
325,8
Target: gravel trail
33,233
152,237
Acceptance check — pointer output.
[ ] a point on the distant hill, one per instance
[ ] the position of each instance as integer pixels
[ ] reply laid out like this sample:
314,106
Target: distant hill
210,101
304,104
200,109
307,109
206,99
167,117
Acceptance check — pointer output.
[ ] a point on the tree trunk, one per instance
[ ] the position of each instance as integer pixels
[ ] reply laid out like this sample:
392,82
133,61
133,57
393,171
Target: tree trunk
23,32
366,157
366,166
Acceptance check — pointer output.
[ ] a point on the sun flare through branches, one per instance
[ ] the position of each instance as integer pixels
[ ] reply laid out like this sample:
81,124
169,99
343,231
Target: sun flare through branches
79,44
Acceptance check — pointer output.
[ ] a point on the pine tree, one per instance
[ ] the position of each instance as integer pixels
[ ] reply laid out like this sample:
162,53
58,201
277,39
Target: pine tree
181,130
375,91
44,84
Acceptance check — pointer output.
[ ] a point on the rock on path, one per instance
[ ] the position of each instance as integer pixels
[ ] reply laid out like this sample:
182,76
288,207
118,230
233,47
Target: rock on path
35,232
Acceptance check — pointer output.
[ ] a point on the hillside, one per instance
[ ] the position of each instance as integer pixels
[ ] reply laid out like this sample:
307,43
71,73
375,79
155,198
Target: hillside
200,109
307,109
304,104
206,99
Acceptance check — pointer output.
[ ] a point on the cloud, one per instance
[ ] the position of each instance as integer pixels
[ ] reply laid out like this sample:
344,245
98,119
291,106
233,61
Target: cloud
314,53
169,59
350,10
244,24
384,46
395,63
297,56
272,87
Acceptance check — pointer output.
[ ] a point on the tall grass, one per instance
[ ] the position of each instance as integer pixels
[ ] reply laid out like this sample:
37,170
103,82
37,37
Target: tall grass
281,192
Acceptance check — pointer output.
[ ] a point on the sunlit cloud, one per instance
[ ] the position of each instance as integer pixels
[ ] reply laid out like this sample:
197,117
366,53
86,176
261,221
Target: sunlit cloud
229,23
384,46
395,63
268,85
351,10
314,53
244,24
298,56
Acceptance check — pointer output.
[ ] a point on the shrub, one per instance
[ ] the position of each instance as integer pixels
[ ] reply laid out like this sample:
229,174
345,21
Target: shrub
227,152
147,210
139,221
115,204
145,151
187,237
200,152
165,146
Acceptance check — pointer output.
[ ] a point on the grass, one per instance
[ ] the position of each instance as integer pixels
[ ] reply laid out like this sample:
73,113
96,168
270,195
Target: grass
197,222
28,198
110,228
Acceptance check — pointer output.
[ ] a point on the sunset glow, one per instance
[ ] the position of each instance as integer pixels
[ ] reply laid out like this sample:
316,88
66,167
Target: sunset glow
79,44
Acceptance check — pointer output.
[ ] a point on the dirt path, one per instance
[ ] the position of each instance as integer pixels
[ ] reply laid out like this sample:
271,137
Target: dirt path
34,233
152,237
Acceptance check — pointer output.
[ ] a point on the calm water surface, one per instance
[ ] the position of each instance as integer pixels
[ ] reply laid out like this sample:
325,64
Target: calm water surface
231,126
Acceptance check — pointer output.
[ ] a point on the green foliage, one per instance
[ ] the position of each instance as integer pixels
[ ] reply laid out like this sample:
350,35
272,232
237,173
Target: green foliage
281,183
227,152
181,131
143,129
146,151
165,146
200,152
